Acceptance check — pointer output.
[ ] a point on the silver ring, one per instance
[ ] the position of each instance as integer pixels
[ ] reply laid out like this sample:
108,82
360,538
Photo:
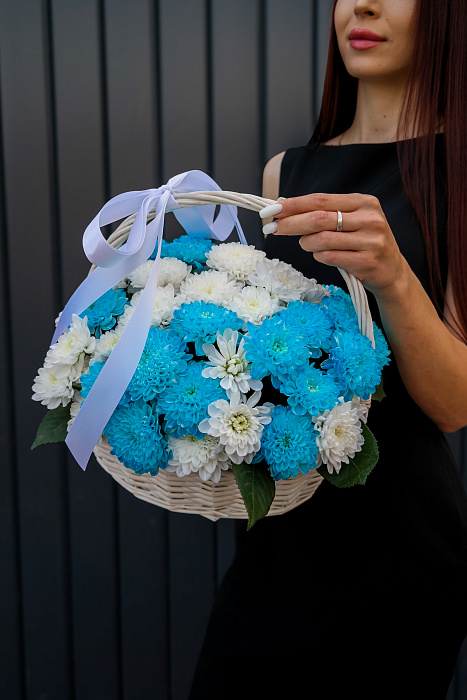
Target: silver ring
339,221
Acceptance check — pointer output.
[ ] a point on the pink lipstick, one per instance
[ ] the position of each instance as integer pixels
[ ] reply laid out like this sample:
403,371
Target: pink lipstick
364,39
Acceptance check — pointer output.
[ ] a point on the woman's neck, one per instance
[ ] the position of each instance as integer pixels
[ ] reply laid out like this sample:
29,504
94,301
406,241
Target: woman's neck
377,114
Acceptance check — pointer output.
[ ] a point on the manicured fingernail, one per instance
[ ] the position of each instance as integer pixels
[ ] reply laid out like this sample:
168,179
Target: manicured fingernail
270,228
270,210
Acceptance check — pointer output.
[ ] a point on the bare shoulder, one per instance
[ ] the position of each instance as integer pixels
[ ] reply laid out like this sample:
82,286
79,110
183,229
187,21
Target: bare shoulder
271,176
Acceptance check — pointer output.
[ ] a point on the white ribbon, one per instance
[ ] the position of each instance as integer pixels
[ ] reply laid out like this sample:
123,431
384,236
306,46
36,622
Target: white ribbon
115,264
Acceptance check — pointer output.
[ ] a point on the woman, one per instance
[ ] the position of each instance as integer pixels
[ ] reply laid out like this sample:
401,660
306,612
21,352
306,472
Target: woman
365,589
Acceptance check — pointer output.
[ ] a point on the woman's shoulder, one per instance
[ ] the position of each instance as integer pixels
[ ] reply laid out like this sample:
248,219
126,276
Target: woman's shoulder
271,176
274,170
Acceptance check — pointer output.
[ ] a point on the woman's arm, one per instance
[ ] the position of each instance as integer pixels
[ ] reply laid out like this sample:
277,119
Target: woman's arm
431,359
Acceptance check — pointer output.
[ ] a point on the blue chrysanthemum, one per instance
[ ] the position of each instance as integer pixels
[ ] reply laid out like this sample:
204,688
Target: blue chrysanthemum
310,321
340,309
87,382
102,313
288,444
190,249
136,439
310,391
162,360
199,321
354,365
381,347
186,402
164,253
274,349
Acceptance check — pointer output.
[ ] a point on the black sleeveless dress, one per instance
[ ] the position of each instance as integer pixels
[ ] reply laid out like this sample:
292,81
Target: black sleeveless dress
358,592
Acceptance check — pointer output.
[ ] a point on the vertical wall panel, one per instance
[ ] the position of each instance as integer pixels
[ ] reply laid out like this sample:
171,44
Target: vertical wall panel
11,642
289,79
184,73
131,51
81,186
28,161
130,47
236,102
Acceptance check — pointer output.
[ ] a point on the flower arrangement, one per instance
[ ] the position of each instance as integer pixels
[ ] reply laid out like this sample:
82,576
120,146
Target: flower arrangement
248,365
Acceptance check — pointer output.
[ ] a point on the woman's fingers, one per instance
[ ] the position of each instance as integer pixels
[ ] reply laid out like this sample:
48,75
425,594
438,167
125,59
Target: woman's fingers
332,240
314,222
324,202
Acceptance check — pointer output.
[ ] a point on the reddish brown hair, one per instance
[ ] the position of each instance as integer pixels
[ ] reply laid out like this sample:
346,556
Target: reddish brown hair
439,71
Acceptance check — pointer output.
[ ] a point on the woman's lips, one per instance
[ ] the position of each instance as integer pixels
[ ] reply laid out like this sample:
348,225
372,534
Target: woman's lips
364,43
364,39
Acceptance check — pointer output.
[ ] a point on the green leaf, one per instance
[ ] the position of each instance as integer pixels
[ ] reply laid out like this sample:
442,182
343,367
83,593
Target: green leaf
359,467
257,487
379,394
53,426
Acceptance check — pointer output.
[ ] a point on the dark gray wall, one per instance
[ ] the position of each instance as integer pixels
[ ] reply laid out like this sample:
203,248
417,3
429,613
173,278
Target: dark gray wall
103,596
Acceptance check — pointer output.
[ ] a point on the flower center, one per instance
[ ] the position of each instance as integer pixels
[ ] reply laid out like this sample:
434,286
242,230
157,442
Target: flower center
279,346
235,365
239,422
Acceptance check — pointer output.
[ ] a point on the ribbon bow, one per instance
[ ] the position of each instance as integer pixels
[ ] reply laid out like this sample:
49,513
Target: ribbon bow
115,264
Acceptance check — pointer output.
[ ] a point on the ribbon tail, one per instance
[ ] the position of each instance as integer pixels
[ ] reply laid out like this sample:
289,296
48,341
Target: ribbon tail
118,370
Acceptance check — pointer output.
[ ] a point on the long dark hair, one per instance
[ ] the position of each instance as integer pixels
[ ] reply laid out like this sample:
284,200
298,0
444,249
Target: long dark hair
439,72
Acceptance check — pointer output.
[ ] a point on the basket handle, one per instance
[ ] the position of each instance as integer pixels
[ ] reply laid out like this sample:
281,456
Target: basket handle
254,203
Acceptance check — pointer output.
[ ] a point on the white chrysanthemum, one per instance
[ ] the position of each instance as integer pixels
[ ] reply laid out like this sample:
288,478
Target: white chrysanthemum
236,259
238,425
74,408
123,320
229,364
172,271
315,292
340,435
53,387
280,279
72,343
139,277
209,286
72,372
165,303
254,304
106,344
205,456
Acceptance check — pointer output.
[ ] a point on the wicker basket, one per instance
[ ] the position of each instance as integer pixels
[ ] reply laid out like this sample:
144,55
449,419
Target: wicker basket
190,494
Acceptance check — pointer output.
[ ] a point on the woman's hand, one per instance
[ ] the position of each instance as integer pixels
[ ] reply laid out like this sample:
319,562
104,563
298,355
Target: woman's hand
365,247
431,360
